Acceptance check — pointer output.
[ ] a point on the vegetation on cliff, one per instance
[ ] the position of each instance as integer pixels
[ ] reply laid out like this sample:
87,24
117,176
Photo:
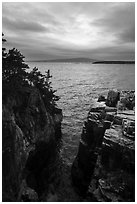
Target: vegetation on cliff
15,77
31,130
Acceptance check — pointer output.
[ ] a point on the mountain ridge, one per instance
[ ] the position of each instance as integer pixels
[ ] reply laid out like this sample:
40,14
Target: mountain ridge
86,60
76,60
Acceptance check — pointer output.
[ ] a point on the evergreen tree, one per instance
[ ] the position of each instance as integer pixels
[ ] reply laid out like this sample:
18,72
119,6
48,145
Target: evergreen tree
15,77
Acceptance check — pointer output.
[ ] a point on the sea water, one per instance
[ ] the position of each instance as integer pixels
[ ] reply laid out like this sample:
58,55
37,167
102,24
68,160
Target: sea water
77,84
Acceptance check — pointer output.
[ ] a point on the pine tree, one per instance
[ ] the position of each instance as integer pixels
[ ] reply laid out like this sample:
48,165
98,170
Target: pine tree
15,77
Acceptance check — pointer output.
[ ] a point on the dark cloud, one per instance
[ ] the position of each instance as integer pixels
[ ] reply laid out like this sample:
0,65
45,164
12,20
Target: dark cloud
70,29
22,25
120,21
128,34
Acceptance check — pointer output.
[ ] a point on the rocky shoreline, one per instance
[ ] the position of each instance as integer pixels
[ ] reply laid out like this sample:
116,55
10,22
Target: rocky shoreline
104,168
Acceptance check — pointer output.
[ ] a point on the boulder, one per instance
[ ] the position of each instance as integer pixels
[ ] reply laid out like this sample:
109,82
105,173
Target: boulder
128,128
115,186
101,98
128,100
118,151
112,98
117,120
27,194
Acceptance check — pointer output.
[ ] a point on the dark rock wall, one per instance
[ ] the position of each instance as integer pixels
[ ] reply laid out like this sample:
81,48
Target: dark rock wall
30,138
13,156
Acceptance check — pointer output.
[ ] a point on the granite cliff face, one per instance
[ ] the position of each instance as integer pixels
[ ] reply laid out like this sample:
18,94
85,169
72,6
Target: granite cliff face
104,169
30,145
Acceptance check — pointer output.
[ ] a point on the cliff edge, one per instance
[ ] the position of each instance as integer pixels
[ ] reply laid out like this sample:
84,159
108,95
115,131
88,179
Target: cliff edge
30,142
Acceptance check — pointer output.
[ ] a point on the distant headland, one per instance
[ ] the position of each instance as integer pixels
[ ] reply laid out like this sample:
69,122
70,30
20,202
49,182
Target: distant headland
84,60
114,62
69,60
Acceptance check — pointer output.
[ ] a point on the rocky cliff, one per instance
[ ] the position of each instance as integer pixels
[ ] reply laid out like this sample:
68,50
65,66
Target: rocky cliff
104,169
30,145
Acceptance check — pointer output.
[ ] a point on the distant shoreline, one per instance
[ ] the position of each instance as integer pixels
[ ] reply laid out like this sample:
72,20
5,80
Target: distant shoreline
114,62
107,62
71,60
84,60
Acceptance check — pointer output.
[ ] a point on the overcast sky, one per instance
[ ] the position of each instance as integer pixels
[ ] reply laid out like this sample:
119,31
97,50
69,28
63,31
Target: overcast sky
65,30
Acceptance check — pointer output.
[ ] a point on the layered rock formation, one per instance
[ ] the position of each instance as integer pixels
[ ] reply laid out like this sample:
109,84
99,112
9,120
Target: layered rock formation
89,147
105,163
30,145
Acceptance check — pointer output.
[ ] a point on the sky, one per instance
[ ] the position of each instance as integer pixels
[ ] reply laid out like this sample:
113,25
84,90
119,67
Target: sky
58,30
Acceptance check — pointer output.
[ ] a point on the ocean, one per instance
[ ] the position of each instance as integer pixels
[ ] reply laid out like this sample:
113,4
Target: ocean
77,84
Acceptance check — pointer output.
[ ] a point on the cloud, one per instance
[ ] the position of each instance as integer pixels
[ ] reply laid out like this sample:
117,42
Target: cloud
119,21
73,29
128,34
22,25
